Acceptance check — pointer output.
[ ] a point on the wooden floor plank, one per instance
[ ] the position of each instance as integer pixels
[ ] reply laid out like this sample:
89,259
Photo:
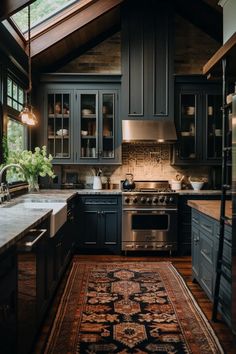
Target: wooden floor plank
182,264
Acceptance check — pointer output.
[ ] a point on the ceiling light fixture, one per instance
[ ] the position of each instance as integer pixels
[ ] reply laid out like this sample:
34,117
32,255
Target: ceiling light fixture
27,115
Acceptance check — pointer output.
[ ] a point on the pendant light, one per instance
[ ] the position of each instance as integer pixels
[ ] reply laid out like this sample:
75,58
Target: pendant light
27,115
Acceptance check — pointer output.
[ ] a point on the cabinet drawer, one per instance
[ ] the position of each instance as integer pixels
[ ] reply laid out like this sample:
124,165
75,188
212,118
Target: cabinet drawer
207,224
224,306
207,277
195,217
228,233
207,248
100,201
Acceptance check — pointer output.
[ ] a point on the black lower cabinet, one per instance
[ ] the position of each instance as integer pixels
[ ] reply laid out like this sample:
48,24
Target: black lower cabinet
32,294
8,308
99,224
205,240
184,220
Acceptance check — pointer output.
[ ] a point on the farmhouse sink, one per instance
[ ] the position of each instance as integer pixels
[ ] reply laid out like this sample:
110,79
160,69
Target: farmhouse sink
58,215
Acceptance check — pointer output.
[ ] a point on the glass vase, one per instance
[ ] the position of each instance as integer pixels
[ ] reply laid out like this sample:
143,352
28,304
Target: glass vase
33,185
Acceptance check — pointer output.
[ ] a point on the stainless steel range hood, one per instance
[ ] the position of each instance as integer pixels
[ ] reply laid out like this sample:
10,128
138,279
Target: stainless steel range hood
148,130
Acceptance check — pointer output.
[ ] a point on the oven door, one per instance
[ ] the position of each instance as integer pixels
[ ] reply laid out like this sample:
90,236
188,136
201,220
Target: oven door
149,229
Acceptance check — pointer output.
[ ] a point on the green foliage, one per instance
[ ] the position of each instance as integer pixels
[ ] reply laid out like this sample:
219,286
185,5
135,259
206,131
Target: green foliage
34,164
5,148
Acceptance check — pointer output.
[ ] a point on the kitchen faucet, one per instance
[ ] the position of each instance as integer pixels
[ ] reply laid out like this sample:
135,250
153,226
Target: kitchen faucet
4,189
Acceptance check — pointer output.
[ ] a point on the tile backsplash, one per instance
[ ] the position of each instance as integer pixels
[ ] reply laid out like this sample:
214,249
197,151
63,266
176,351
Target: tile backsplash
144,161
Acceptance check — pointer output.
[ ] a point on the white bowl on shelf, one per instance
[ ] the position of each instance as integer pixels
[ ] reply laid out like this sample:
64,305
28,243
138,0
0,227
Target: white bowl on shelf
84,132
197,185
62,132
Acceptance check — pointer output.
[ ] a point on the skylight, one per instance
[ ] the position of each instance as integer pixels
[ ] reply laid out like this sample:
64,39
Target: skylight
40,11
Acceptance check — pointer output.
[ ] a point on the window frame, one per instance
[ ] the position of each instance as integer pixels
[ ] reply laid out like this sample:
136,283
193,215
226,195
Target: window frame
13,114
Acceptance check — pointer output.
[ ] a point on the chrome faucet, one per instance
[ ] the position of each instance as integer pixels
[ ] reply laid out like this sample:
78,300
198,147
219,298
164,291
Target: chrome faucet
4,189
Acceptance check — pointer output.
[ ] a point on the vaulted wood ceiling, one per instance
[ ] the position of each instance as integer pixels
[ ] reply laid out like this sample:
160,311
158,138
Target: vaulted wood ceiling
95,20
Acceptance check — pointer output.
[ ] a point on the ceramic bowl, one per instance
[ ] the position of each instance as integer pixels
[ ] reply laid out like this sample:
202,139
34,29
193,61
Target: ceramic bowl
62,132
86,112
197,185
84,132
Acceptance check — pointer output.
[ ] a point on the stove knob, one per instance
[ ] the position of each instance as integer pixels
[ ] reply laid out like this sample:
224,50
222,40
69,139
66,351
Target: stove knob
149,200
126,199
143,200
167,200
135,200
171,199
161,199
155,200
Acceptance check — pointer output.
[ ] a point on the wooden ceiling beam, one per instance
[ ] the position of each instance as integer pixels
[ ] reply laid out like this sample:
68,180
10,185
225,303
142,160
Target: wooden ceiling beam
71,24
9,7
214,65
203,16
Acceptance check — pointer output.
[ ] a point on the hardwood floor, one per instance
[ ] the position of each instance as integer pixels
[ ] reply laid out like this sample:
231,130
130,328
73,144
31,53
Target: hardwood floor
182,264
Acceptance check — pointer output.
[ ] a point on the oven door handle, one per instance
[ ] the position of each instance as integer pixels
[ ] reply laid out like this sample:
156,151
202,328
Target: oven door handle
150,210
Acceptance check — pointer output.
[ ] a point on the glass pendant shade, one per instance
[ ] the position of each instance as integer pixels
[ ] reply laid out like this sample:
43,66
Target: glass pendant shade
27,115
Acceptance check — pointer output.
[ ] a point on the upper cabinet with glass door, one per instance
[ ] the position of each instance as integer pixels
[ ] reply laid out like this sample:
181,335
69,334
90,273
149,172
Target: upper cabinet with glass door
187,126
59,112
198,119
98,127
213,126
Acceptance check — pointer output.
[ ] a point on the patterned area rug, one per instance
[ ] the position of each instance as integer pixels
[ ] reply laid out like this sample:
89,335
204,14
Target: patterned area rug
129,308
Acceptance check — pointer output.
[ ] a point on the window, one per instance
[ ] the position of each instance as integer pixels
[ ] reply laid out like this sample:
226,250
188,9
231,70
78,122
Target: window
16,141
41,10
16,132
15,95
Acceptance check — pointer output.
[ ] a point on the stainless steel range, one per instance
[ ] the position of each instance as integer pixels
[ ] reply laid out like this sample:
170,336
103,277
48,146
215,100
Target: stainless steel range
149,217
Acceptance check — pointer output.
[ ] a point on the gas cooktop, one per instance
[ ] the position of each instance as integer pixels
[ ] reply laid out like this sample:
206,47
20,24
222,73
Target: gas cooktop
150,187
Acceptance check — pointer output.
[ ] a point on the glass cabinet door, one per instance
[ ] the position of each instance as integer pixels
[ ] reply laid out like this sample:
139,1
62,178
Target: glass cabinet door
187,126
213,115
58,124
89,126
108,123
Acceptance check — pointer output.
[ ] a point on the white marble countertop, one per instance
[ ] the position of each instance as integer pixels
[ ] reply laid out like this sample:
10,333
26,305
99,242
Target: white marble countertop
15,222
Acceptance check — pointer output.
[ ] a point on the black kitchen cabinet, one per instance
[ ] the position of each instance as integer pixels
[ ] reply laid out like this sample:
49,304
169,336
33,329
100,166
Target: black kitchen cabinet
81,120
32,295
198,119
205,239
8,304
184,220
60,248
147,60
99,220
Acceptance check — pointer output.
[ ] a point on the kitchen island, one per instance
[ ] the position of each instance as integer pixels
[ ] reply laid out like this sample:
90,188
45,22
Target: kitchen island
205,240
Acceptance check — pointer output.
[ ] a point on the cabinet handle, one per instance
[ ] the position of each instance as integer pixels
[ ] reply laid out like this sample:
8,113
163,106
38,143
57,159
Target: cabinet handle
205,251
206,227
206,280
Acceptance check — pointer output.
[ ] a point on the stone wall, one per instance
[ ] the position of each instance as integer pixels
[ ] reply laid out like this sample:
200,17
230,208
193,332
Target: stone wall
193,48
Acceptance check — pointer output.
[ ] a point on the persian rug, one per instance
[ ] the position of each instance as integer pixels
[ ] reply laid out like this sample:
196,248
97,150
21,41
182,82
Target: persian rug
129,308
